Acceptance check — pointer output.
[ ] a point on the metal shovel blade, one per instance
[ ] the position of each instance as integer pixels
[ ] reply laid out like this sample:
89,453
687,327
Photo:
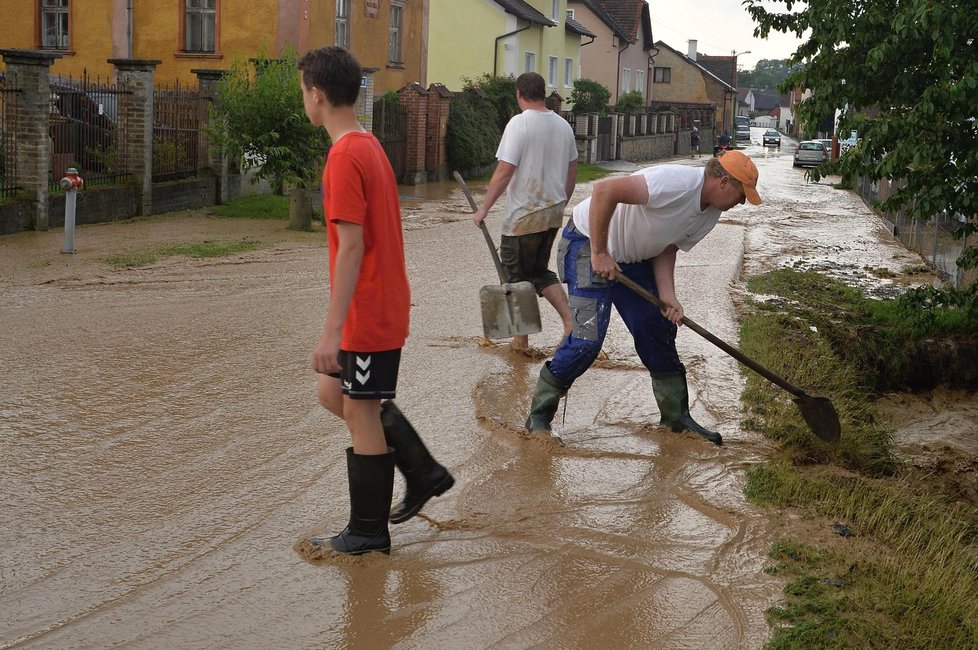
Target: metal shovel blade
509,310
820,416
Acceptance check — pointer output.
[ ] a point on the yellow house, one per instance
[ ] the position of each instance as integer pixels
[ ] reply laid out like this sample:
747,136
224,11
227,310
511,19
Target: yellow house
387,35
468,38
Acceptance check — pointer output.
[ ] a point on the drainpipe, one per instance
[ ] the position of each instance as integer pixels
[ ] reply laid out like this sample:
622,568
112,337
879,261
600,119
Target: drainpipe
129,29
648,77
618,80
495,54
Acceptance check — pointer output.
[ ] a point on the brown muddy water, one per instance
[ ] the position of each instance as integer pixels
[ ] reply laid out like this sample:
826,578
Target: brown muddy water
163,452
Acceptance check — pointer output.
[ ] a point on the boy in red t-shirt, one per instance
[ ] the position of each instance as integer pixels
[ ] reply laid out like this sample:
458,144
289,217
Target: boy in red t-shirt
359,351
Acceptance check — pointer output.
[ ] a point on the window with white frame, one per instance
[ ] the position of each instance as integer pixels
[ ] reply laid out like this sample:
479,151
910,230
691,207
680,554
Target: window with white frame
568,73
200,25
570,14
552,72
662,75
54,24
394,44
640,81
529,62
343,23
555,9
626,78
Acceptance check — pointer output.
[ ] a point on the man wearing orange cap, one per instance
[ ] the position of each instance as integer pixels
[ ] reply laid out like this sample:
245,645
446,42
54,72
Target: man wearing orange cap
637,224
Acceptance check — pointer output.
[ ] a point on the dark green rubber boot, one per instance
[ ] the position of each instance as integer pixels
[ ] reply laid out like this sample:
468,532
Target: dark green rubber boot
672,396
545,400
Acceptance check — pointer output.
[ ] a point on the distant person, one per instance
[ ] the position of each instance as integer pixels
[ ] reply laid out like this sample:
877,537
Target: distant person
358,354
537,169
637,224
723,143
694,141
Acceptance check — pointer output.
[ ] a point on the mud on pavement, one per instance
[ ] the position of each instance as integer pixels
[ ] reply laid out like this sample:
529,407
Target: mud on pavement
164,455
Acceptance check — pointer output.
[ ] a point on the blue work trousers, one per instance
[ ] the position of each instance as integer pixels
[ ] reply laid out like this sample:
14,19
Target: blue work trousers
591,298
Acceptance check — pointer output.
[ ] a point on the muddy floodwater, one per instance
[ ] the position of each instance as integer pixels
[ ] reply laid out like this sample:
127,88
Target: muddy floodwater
163,452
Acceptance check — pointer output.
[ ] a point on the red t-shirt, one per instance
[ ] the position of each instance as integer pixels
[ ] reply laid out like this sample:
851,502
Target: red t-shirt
359,187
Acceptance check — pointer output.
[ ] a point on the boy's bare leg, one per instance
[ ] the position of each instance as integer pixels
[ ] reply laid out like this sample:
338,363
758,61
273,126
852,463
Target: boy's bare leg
362,417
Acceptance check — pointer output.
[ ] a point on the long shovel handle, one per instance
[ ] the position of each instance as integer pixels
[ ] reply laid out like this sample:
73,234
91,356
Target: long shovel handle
485,231
720,343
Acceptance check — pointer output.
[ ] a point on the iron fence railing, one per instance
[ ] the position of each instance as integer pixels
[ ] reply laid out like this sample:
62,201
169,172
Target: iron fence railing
180,144
8,153
87,130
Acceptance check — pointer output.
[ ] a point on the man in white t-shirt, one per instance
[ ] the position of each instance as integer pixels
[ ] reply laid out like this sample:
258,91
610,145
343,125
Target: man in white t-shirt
538,166
637,224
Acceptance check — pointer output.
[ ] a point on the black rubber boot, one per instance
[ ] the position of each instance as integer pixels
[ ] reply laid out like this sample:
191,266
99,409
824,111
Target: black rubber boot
424,476
371,487
672,396
545,400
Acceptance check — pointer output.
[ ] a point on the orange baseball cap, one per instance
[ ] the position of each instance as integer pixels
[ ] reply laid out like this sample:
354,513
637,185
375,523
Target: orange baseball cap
742,168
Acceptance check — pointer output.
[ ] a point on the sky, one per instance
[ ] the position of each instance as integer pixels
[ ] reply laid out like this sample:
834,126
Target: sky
719,27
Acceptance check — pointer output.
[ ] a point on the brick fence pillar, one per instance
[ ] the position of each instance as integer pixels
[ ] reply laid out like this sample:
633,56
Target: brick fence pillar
27,71
136,111
414,100
439,103
207,81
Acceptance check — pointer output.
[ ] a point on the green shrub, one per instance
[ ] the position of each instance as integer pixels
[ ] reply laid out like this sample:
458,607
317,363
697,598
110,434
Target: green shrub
589,96
501,94
630,102
471,134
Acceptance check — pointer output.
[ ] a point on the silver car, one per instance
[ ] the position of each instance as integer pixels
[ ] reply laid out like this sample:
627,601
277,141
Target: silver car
810,153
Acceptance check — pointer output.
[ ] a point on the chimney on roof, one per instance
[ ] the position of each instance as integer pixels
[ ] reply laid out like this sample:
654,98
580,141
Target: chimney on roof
692,49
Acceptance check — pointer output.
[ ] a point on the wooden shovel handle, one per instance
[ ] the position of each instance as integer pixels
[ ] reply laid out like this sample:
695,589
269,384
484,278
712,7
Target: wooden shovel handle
720,343
485,231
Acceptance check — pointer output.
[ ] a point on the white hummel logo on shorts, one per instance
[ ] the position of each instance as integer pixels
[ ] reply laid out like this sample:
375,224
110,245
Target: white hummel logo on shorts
347,385
363,364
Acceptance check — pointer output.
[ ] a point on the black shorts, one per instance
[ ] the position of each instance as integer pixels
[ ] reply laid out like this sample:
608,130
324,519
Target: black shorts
369,375
527,257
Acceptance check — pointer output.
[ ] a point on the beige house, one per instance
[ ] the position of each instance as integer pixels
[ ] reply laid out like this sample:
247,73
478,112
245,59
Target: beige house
678,79
620,55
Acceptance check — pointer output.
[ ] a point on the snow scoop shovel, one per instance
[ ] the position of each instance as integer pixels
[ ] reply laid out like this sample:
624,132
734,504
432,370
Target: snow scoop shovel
818,412
508,309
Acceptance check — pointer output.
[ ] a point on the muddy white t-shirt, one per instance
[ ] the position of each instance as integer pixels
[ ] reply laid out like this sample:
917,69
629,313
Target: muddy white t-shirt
541,145
672,215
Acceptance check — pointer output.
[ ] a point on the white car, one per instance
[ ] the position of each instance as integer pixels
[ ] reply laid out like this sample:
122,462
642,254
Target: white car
810,153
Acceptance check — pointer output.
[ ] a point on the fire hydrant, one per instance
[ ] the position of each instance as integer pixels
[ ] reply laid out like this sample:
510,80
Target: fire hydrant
71,184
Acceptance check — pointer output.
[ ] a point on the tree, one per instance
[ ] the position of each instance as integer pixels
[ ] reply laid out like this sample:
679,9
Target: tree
904,75
262,119
768,73
501,92
589,96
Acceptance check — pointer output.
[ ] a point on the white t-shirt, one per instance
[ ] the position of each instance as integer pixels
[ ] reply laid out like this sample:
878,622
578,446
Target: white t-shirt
541,145
672,215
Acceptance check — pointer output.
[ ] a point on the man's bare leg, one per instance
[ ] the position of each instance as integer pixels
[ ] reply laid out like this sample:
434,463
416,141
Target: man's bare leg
557,297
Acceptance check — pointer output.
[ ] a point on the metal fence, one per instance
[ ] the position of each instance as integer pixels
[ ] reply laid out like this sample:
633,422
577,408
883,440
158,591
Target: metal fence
933,238
180,144
8,124
87,130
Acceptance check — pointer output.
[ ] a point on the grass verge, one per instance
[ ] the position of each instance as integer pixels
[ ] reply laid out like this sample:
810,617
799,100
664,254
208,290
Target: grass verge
907,577
256,207
198,249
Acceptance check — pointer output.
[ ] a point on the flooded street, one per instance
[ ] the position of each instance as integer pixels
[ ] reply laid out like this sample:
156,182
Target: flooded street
163,451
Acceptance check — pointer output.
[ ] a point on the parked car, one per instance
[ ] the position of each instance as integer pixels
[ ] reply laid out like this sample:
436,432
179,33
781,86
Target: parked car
772,137
810,153
827,143
743,132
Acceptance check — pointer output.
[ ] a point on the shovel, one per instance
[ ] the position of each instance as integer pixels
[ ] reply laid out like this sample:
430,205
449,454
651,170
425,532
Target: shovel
508,309
818,412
